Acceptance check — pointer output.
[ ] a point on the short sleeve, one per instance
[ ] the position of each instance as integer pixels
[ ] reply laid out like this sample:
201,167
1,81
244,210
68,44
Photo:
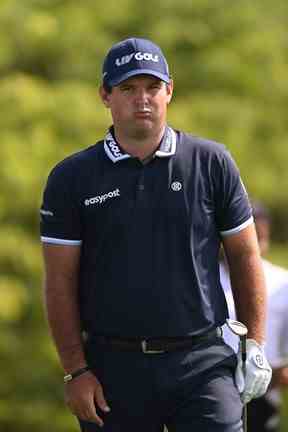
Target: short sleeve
59,213
233,208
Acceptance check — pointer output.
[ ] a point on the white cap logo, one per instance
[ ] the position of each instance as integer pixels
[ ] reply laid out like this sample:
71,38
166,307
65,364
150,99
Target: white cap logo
138,56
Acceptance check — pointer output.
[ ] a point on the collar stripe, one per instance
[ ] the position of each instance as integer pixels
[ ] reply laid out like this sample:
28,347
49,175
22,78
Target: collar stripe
115,154
112,149
168,147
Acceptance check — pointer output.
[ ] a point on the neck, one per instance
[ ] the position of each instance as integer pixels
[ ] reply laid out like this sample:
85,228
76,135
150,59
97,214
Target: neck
141,146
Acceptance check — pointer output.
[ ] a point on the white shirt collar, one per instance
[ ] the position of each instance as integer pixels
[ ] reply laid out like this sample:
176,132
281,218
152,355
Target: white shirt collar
116,154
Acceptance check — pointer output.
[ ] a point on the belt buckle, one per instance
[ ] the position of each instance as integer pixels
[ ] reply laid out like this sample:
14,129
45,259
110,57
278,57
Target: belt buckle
148,351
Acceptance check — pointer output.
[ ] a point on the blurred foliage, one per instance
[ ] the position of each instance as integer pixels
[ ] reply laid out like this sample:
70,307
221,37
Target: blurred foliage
229,63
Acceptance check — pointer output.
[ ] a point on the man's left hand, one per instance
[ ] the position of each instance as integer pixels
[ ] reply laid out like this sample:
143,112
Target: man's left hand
258,372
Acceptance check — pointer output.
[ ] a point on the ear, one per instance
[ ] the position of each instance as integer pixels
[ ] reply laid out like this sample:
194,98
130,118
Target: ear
104,95
169,89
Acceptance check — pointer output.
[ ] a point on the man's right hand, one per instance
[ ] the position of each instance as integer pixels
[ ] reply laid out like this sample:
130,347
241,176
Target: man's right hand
83,395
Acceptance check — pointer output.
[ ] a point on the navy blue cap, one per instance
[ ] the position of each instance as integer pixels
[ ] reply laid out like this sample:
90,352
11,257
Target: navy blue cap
134,56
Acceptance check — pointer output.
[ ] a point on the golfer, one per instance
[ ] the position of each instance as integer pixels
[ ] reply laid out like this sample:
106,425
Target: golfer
131,229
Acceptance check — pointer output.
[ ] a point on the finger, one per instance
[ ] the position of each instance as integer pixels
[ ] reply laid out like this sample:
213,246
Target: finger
92,416
250,381
253,390
246,397
100,400
262,386
247,393
87,412
259,387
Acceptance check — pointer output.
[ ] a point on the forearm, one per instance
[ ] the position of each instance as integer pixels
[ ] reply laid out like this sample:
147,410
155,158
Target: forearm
247,280
61,303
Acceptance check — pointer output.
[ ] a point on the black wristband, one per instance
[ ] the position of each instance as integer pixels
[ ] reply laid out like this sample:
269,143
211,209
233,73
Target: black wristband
78,372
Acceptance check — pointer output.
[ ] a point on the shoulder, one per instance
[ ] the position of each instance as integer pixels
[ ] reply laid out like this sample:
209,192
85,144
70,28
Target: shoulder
208,152
189,142
78,162
207,155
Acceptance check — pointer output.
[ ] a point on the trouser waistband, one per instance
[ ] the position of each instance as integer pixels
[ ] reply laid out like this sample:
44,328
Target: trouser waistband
153,345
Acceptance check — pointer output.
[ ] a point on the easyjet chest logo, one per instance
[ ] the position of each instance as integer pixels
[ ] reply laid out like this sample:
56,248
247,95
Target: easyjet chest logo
100,199
138,56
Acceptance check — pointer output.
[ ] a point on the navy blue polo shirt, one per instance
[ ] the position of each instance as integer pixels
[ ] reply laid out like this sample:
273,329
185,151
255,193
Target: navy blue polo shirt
149,233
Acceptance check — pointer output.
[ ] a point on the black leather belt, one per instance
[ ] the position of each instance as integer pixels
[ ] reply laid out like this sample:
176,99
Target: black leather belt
153,346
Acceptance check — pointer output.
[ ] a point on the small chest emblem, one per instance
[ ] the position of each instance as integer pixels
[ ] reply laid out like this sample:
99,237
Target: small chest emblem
176,186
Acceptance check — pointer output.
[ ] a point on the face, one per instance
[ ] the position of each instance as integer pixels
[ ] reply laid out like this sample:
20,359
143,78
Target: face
138,105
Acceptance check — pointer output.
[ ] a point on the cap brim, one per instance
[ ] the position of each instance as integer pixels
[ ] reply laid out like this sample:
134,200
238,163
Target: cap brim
135,72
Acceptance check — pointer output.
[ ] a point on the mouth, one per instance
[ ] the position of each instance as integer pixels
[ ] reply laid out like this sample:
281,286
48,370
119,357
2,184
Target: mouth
143,114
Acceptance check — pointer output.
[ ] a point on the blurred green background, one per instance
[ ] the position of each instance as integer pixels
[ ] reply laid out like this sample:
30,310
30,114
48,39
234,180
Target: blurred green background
229,62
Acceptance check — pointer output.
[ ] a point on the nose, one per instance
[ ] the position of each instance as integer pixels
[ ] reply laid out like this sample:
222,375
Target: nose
141,95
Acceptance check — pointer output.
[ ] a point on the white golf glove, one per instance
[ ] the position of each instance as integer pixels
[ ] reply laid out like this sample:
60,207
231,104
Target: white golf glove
258,372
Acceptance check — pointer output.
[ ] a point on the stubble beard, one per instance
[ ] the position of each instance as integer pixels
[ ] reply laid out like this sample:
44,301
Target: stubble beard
142,132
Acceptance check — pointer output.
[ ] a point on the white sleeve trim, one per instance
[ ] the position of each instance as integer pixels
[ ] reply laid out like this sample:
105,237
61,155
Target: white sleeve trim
239,228
60,241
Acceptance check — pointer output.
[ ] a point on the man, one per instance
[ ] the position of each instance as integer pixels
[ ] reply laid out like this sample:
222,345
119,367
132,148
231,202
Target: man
131,231
264,412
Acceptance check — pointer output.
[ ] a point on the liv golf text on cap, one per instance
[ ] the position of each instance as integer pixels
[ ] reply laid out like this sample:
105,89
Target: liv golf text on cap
132,57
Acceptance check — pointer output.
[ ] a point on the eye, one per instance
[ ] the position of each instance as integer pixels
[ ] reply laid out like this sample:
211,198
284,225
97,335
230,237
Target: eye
126,88
156,85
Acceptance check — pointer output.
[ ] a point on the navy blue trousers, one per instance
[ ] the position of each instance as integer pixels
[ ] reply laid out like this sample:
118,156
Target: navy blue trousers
189,390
